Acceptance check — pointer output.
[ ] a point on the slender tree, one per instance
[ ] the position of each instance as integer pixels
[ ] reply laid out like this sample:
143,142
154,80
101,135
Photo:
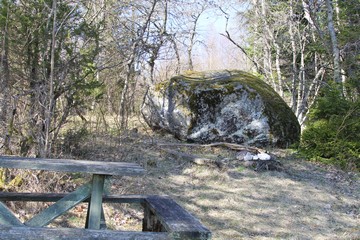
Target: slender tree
334,41
5,76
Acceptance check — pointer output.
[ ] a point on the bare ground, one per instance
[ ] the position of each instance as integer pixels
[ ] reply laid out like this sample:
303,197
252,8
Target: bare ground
301,201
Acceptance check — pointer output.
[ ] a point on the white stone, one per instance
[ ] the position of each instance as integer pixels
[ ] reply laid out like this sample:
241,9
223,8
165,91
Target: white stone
264,156
248,157
240,155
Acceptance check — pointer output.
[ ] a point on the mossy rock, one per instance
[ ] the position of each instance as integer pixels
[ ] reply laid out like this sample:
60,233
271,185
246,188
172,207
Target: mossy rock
230,106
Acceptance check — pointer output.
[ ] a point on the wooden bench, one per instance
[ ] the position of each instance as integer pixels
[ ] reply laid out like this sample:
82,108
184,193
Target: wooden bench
162,214
37,233
94,189
163,217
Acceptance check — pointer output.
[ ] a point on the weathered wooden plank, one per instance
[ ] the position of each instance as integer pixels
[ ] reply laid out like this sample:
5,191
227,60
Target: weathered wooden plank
176,220
70,165
107,190
60,207
93,218
161,214
53,197
107,185
7,217
31,197
35,233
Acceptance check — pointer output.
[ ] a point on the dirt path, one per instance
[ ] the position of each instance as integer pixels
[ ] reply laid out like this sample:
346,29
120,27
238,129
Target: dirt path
304,201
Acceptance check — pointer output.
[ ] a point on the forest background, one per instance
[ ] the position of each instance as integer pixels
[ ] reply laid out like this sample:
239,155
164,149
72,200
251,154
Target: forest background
94,61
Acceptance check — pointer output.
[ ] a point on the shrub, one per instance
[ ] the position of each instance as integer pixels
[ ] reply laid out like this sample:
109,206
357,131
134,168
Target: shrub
332,134
72,140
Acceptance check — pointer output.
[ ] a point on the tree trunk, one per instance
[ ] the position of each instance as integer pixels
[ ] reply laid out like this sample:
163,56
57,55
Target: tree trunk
268,38
177,54
5,90
278,70
294,72
123,111
313,89
334,44
192,43
51,101
301,85
35,85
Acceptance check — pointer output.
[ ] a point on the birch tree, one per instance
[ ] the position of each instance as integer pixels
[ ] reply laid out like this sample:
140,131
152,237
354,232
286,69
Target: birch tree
283,35
334,41
139,31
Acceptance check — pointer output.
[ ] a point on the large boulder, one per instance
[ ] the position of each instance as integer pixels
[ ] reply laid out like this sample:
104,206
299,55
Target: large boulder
227,106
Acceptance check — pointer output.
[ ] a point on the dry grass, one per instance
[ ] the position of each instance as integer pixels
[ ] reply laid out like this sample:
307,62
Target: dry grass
304,201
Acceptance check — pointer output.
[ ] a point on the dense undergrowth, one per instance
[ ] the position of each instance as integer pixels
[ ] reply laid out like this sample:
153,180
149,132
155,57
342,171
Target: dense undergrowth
332,135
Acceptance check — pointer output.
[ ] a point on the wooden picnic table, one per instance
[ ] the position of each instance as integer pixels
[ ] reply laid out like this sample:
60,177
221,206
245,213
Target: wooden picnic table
163,217
93,190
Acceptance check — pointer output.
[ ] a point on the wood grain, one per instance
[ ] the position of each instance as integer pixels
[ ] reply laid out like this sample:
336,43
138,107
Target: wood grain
70,165
176,220
53,197
34,233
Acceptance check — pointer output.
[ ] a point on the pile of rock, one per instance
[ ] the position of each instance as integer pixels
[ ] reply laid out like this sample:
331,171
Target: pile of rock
248,156
259,161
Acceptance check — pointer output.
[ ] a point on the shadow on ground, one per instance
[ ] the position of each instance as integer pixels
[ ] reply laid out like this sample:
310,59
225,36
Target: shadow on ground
304,201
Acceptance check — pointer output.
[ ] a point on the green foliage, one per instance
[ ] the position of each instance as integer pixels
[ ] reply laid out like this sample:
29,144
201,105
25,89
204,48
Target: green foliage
70,86
349,28
329,105
332,135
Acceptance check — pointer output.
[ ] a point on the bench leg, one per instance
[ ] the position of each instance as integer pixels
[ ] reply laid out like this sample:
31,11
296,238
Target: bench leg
150,222
102,219
93,219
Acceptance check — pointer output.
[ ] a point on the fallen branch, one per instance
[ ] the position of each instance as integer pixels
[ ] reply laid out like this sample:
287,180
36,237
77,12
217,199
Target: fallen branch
193,158
232,146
